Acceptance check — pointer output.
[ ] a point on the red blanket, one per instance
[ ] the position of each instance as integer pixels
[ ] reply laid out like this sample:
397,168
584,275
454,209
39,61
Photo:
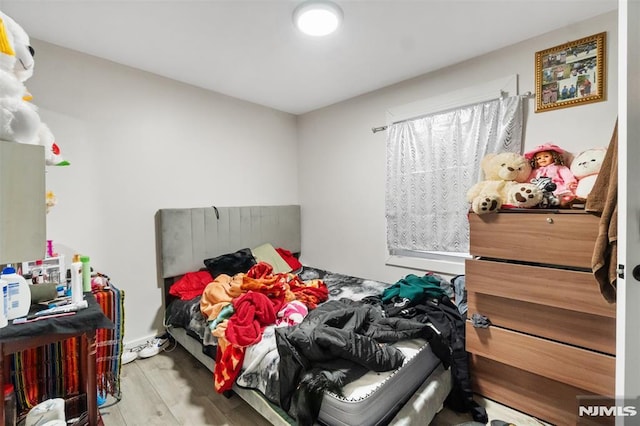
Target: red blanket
264,295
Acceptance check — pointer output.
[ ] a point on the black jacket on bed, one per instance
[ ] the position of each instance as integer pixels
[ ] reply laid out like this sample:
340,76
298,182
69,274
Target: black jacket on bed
337,343
445,316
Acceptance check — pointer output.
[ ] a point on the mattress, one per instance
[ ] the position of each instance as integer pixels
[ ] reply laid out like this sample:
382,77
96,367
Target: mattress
419,409
373,399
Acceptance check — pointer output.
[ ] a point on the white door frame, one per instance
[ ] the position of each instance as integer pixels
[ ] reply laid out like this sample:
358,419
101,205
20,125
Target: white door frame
628,288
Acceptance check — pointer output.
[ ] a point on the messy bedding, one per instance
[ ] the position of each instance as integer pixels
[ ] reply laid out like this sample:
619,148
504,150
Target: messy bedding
303,336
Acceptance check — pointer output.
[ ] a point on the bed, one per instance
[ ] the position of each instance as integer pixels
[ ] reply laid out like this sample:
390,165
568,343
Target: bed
411,394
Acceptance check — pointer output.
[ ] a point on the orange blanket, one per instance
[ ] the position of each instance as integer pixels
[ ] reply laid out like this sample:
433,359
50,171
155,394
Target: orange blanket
220,293
256,296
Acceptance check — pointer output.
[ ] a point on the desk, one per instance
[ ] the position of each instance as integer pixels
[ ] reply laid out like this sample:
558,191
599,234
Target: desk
83,324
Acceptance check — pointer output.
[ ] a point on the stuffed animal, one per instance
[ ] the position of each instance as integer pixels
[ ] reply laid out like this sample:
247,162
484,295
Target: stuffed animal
549,199
19,119
24,63
505,183
585,167
547,160
52,155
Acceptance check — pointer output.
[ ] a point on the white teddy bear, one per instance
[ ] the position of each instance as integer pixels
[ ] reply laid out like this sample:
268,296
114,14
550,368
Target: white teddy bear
505,183
19,119
585,167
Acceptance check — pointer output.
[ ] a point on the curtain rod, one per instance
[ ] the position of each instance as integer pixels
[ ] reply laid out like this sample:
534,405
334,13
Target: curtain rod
383,128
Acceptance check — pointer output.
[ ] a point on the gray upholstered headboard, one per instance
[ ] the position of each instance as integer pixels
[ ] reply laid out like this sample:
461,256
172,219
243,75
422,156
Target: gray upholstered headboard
185,237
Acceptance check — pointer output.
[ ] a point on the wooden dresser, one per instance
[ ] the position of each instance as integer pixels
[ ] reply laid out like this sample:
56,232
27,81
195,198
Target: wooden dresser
552,334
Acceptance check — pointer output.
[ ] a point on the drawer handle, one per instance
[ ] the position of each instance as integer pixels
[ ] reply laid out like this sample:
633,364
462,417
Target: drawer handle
549,220
480,321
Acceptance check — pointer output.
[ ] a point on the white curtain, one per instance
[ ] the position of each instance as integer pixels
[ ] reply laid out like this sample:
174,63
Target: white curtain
431,163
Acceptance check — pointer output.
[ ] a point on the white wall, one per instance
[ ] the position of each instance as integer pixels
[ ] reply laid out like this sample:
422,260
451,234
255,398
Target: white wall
138,143
342,163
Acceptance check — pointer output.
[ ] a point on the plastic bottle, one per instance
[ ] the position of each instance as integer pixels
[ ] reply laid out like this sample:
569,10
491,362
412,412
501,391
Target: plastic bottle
76,280
86,273
68,283
18,293
61,289
38,273
3,303
10,409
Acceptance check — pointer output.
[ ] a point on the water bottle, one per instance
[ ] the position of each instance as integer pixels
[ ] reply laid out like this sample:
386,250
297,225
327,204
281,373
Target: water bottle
86,273
76,280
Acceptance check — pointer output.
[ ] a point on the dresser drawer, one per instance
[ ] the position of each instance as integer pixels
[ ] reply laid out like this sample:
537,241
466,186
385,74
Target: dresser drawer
553,303
561,288
575,328
564,238
546,399
580,368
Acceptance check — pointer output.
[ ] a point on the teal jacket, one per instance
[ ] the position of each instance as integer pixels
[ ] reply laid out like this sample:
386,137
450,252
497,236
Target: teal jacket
414,288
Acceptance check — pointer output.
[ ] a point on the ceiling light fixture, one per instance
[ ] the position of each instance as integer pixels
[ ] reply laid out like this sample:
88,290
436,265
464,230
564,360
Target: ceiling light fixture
317,18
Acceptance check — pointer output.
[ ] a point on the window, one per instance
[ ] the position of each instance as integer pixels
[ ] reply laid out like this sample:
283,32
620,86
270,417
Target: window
431,162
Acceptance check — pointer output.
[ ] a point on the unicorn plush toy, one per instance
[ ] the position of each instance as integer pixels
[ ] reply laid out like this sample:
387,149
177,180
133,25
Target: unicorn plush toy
19,118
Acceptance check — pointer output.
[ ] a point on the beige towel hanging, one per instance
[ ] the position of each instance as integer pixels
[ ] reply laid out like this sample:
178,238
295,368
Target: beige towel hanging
603,201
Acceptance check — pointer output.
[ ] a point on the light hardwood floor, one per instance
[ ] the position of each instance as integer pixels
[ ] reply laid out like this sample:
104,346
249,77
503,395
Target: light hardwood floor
173,388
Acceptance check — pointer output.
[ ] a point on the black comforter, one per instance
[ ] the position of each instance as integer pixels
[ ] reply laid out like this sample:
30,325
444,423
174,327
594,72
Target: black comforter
337,343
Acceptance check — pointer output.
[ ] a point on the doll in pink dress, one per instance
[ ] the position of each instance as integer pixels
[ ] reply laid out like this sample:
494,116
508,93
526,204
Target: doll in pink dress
546,161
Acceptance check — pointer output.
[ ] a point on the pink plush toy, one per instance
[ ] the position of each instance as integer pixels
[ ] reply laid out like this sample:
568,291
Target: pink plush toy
291,314
547,161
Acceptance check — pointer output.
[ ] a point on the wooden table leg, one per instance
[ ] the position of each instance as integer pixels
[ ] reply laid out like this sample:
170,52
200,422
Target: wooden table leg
88,374
2,379
92,391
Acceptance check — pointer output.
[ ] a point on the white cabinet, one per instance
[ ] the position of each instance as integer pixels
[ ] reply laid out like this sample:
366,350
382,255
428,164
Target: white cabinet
22,202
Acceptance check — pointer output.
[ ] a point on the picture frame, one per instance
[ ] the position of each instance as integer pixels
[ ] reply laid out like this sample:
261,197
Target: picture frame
571,74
